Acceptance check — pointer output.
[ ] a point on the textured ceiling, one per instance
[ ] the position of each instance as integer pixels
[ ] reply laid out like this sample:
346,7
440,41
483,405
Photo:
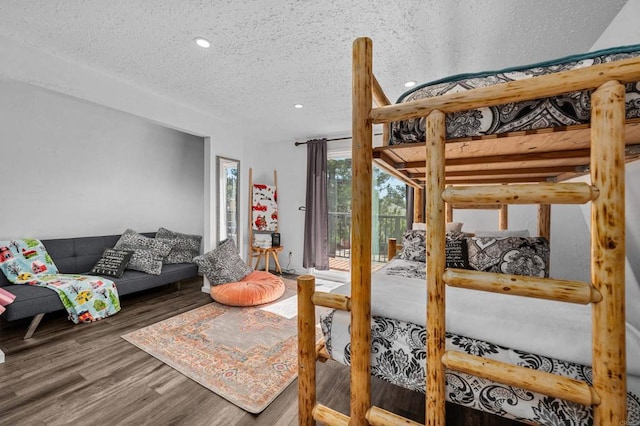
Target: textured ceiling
267,55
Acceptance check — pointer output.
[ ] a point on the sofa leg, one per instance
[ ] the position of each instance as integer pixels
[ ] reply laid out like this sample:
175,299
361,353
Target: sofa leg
32,327
178,285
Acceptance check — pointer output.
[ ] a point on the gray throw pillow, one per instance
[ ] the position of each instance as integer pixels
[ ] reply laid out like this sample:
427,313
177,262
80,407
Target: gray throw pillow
184,247
147,252
223,264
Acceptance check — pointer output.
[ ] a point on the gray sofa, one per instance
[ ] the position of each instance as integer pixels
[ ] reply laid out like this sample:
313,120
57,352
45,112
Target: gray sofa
77,256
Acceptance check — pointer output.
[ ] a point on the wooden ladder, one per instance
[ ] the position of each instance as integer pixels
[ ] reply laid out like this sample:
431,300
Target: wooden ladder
605,292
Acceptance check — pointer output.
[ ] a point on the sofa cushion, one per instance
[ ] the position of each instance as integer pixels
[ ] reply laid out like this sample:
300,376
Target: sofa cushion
223,264
147,252
184,247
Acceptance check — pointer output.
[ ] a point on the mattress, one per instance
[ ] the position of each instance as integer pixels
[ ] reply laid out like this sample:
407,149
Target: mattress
559,111
511,329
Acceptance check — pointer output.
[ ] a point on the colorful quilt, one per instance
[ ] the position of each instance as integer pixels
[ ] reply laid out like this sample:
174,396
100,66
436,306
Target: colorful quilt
86,298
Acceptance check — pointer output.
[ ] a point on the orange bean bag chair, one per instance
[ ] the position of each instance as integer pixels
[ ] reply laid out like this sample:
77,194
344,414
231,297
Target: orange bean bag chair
255,289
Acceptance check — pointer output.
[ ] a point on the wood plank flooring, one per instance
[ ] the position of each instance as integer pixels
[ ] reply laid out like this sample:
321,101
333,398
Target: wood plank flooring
74,374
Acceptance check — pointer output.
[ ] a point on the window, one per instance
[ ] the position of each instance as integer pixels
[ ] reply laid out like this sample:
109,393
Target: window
389,212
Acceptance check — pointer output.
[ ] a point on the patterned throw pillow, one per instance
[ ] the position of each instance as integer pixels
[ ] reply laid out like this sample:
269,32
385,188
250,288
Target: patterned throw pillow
413,246
510,255
112,263
223,264
147,252
22,261
184,247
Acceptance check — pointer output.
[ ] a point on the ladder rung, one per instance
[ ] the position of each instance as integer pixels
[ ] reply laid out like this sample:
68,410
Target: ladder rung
377,416
520,285
527,378
331,300
539,193
328,416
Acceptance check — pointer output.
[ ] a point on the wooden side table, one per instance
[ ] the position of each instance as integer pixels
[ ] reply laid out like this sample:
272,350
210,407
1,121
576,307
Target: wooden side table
261,253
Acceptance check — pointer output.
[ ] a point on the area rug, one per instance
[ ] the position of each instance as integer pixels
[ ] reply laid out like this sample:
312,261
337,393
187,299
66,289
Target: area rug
246,355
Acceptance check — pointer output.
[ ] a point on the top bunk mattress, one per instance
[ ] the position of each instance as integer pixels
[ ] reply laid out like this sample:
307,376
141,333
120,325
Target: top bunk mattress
558,111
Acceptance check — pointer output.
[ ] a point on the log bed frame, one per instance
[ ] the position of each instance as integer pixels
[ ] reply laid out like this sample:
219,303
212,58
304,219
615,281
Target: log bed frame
533,165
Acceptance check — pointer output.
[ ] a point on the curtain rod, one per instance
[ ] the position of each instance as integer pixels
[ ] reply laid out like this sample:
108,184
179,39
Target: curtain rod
335,139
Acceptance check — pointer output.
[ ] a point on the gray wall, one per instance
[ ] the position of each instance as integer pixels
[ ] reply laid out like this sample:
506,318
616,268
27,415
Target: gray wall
73,168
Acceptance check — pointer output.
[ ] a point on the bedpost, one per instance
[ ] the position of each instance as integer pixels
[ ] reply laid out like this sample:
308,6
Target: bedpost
392,247
435,219
544,221
503,220
608,252
306,350
418,205
362,152
449,212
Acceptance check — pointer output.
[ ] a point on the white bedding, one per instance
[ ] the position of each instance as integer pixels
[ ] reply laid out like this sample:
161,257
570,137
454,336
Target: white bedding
553,329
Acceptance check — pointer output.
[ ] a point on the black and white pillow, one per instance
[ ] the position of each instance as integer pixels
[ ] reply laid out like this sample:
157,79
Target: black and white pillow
510,255
147,252
456,252
223,264
184,247
413,246
112,263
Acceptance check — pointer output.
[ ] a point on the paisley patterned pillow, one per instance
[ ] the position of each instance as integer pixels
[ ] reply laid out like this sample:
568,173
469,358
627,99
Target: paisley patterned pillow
223,264
184,247
510,255
413,246
147,252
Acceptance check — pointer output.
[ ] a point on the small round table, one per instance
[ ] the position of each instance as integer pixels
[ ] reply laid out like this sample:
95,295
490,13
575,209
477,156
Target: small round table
261,252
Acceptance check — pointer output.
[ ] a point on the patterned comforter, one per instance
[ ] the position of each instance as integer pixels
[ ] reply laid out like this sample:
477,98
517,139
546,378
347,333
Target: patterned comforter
398,350
564,110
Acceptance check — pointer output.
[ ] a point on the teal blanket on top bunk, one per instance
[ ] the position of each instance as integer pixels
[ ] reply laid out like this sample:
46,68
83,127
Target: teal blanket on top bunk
564,110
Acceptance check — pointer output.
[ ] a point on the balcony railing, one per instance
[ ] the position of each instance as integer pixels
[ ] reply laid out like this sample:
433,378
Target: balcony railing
384,227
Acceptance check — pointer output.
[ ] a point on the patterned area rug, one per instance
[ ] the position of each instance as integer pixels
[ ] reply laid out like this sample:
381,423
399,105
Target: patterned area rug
246,355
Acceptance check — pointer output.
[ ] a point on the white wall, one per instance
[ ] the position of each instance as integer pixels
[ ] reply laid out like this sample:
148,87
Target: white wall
72,168
221,137
290,162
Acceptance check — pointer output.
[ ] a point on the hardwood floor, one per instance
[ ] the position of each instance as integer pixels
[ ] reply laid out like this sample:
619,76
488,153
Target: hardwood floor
72,374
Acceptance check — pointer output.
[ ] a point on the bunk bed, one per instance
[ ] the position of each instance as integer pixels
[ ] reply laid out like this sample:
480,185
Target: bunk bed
496,164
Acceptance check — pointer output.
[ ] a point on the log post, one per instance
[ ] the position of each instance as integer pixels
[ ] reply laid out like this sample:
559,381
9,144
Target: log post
435,398
608,253
418,205
544,221
449,213
306,350
392,245
503,220
362,157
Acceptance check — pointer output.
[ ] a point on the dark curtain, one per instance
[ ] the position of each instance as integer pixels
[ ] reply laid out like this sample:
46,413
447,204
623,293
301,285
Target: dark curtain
409,214
316,218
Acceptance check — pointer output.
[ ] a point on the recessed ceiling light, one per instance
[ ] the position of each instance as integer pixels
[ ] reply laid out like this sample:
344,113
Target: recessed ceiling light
202,42
410,83
298,106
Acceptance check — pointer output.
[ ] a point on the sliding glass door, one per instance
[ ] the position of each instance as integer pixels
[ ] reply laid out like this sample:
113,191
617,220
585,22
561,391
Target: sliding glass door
389,213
